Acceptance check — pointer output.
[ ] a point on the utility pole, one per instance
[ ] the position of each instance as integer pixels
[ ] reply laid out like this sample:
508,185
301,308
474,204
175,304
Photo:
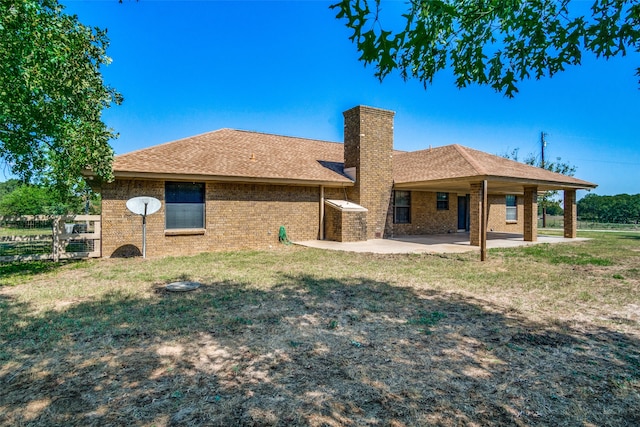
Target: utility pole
543,144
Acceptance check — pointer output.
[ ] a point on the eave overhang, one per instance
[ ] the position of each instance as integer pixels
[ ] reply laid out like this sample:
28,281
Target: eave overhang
496,184
236,179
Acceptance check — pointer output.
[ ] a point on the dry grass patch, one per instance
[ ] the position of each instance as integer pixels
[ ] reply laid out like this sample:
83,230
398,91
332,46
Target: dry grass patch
305,337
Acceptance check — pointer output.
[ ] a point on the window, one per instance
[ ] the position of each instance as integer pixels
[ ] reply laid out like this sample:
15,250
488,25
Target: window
184,205
401,207
442,201
512,207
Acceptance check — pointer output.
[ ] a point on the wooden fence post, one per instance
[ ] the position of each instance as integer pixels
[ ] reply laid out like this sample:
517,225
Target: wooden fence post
55,225
61,237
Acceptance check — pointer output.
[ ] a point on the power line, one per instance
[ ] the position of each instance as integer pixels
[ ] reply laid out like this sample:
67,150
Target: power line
609,161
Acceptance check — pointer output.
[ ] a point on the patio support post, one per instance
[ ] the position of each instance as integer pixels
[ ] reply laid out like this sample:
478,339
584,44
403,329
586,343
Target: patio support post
321,233
570,214
530,214
483,227
475,213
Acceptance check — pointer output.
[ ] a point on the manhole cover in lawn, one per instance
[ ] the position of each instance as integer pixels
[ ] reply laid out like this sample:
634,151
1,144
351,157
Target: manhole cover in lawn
182,286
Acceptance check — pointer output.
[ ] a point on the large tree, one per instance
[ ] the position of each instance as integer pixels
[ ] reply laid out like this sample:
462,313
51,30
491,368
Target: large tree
491,42
8,186
36,200
52,94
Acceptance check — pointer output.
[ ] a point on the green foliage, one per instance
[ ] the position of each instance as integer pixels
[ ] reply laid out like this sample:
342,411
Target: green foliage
494,42
52,94
619,209
8,186
27,199
558,166
554,208
31,200
547,200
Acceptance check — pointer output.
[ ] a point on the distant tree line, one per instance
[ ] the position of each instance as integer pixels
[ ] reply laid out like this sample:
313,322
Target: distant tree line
620,209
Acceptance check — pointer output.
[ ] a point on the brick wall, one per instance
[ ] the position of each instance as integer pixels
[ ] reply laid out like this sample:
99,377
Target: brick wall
497,215
345,226
425,216
335,193
368,146
121,229
332,223
427,219
236,216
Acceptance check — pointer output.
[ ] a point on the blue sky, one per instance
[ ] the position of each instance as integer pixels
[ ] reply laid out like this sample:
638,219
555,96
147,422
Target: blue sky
189,67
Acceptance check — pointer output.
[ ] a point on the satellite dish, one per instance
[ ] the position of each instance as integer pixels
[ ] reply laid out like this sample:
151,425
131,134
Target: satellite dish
144,206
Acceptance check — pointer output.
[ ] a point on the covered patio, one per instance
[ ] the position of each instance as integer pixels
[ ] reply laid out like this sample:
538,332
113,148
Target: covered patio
476,177
437,243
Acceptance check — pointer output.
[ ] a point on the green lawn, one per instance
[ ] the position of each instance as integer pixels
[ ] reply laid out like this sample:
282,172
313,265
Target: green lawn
541,335
4,231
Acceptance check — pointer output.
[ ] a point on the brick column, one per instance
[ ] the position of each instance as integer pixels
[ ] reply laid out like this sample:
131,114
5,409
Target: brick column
570,214
530,214
475,214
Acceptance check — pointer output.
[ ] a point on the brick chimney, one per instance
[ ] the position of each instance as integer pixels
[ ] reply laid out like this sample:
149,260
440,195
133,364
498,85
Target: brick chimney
368,151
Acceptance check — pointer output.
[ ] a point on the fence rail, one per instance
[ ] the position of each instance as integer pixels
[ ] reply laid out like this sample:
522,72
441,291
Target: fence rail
558,222
29,238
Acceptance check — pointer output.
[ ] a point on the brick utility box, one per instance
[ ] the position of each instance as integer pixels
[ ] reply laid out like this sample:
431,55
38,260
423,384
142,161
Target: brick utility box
345,221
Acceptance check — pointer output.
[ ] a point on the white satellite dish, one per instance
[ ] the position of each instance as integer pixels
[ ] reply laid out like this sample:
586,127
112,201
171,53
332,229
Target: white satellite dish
144,206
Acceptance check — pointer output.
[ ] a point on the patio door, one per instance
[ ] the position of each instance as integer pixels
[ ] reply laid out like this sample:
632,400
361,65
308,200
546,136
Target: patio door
463,213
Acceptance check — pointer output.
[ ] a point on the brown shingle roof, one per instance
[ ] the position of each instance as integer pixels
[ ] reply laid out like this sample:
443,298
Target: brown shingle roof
242,155
234,154
458,162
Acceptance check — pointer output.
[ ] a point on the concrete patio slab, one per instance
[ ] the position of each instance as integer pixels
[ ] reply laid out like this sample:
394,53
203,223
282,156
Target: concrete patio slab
439,243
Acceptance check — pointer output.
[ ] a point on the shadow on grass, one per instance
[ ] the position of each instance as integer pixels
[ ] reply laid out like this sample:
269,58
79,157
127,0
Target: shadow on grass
12,272
309,351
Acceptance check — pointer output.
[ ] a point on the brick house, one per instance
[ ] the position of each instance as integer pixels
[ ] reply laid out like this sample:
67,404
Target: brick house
231,189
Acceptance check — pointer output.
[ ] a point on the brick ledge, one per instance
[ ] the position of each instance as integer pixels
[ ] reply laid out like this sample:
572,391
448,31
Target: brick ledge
184,231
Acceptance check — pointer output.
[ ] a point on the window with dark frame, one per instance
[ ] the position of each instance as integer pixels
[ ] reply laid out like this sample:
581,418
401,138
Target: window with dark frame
184,205
442,201
512,207
401,207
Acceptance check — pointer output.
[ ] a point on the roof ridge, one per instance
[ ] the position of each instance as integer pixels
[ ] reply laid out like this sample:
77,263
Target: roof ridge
284,136
232,130
474,164
422,150
162,144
